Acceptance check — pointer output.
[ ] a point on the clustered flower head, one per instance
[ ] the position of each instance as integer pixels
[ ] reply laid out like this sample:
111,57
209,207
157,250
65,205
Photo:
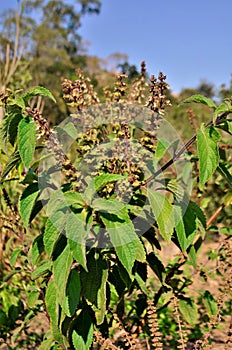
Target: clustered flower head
120,87
79,93
157,100
139,87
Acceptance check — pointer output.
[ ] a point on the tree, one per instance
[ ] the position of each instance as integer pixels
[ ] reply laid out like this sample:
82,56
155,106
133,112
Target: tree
129,69
49,35
206,89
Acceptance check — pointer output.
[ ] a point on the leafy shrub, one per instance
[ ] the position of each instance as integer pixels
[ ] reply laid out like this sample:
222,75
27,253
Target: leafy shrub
101,196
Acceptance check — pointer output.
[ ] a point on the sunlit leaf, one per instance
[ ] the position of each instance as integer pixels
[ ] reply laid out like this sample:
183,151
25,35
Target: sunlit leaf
207,146
188,308
76,232
41,270
14,160
26,140
98,183
38,91
36,249
200,99
27,202
163,212
123,237
82,335
72,296
94,284
52,307
210,303
61,268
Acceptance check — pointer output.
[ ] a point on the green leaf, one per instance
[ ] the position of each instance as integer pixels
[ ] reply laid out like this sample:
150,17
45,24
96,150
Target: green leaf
46,344
27,202
124,238
26,140
107,205
51,235
163,212
55,226
61,268
225,231
225,173
9,129
13,272
78,341
32,298
224,108
210,303
198,212
73,198
193,256
36,249
188,309
69,129
98,183
52,307
14,256
4,132
229,124
141,284
41,270
94,284
227,200
140,254
38,91
76,232
185,225
190,225
180,229
14,160
78,252
72,296
82,335
207,146
56,203
200,99
13,127
161,148
17,101
226,125
156,265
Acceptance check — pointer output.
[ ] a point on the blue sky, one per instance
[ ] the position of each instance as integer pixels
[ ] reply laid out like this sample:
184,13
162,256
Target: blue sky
187,40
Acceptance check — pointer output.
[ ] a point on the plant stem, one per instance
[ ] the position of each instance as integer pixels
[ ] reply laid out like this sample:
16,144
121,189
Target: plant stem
182,150
214,216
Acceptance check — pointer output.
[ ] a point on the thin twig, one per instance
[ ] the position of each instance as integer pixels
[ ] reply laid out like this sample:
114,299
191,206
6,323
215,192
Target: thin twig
182,150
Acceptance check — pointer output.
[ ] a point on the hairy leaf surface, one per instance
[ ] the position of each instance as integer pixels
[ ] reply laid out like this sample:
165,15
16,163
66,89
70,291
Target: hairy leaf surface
82,335
124,238
163,212
61,269
72,295
200,99
26,140
27,202
188,308
94,284
207,146
38,91
52,307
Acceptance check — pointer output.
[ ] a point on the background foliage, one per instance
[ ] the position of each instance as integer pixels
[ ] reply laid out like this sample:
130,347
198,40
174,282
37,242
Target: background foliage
144,292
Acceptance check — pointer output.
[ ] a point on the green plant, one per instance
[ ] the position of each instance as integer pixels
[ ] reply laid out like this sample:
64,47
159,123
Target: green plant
100,224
